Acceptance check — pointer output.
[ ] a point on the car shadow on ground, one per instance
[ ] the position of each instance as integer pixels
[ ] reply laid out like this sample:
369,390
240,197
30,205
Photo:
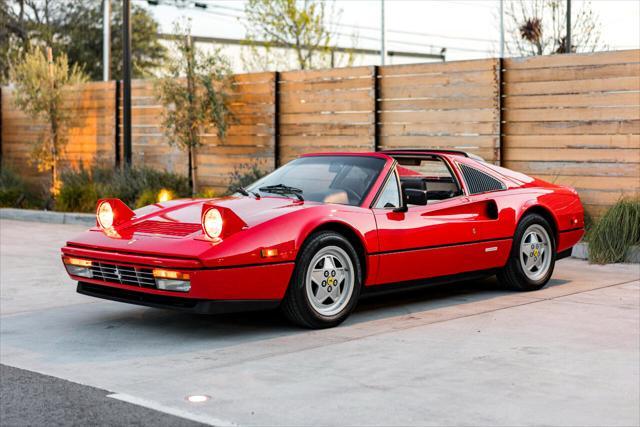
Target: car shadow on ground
85,331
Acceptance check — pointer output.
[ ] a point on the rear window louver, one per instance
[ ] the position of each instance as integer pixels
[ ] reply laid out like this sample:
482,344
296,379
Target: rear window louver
480,182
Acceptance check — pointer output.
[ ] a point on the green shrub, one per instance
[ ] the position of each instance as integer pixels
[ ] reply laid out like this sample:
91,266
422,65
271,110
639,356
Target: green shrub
618,229
136,187
78,192
14,192
245,175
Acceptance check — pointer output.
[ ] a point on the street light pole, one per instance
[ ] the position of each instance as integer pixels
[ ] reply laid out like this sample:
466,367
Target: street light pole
568,38
501,28
126,71
383,35
106,40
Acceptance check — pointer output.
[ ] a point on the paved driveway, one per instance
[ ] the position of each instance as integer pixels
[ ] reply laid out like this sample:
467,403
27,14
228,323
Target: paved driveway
460,354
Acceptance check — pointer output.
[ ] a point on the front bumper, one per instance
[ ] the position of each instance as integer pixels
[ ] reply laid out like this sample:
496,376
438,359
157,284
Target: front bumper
262,282
190,305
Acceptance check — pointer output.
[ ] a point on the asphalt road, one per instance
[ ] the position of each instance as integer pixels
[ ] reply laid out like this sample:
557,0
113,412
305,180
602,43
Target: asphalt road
29,398
465,353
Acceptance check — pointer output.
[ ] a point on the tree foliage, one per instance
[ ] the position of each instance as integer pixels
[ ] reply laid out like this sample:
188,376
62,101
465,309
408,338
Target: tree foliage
303,24
75,27
41,85
194,94
538,27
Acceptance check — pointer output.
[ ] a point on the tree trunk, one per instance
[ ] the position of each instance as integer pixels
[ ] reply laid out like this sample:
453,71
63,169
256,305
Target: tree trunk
193,153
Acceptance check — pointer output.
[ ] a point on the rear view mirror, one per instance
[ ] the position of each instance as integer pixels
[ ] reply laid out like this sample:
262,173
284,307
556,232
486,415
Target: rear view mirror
413,196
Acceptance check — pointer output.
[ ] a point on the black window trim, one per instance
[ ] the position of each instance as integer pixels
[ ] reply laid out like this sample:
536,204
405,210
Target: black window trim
451,167
391,170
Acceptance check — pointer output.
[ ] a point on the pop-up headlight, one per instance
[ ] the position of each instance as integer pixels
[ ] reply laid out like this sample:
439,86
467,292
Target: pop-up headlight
111,213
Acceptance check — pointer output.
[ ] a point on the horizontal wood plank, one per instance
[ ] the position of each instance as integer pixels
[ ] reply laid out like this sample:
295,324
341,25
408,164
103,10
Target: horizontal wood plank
572,141
574,114
615,57
558,74
573,86
573,128
621,155
614,99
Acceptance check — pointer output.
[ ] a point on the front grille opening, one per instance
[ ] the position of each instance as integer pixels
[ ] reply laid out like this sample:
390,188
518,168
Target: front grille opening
165,228
123,275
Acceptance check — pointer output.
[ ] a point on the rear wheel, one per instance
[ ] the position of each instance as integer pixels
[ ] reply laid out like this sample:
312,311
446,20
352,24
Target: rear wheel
532,258
326,282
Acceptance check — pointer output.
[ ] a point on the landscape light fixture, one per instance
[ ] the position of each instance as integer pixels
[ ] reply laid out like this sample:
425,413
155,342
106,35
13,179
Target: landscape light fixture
198,398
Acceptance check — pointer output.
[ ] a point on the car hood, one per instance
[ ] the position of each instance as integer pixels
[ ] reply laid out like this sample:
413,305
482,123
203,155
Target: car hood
251,210
174,227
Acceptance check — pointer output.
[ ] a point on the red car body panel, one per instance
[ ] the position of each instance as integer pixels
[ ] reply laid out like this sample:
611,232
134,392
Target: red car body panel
463,234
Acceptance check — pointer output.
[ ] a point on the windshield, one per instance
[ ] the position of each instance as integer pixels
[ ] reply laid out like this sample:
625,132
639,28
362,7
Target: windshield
344,180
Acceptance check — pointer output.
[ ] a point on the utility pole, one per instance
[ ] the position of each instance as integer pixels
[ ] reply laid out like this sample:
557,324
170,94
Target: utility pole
126,71
106,40
568,38
383,35
501,28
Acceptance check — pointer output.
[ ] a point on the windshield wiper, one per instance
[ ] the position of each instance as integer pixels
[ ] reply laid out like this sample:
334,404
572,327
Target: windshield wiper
283,189
244,192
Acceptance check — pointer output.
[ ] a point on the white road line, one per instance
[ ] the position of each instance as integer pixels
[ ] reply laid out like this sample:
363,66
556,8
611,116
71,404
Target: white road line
172,411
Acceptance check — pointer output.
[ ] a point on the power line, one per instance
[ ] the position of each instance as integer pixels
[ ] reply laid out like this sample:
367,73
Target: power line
376,29
182,4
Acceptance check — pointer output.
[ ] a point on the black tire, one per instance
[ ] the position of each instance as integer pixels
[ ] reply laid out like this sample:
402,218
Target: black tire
296,305
512,276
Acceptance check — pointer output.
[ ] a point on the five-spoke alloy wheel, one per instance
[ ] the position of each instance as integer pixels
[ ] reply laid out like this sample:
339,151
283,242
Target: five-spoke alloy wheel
330,280
532,258
535,256
326,282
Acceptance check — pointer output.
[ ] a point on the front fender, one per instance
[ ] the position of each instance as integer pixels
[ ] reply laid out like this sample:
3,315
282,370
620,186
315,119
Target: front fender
286,235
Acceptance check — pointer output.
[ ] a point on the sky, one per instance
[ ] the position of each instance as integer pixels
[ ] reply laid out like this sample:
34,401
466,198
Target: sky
469,29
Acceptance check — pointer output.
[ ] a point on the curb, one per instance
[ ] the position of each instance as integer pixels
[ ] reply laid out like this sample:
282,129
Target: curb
48,216
581,251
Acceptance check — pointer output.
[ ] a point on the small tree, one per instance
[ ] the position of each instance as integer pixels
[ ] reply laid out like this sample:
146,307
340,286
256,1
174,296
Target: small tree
538,27
194,96
302,24
40,84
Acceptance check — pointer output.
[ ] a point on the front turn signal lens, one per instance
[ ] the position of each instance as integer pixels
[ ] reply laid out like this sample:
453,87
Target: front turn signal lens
76,261
105,215
170,274
78,267
170,280
212,223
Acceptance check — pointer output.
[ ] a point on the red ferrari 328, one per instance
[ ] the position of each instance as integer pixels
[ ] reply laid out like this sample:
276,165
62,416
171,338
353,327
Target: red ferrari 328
315,234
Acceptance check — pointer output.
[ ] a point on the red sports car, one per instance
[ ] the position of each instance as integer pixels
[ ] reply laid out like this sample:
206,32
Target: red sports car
315,234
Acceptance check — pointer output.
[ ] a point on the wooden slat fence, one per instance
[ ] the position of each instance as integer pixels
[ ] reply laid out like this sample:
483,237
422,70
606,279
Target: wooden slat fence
443,105
250,136
91,137
326,110
570,119
575,120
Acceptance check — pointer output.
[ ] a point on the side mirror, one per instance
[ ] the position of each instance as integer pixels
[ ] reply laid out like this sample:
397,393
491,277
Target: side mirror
413,196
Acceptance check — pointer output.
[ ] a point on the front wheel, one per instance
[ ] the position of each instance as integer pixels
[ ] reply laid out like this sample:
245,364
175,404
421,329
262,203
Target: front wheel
532,258
326,282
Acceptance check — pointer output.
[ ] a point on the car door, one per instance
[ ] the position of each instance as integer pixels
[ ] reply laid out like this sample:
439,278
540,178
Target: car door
442,238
